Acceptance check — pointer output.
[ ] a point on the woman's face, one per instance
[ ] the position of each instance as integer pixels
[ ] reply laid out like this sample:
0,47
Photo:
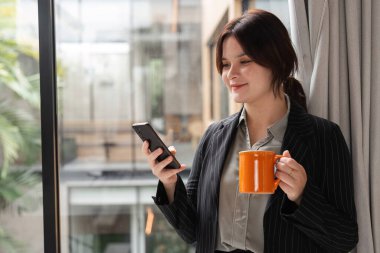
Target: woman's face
247,81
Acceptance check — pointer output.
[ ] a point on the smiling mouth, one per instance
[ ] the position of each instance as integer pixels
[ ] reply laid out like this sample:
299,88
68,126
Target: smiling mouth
236,87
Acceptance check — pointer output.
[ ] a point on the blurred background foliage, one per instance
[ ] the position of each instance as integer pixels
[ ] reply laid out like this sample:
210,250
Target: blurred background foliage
20,184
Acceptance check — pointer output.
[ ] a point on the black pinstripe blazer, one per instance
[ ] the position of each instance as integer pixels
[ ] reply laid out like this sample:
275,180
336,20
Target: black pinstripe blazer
325,221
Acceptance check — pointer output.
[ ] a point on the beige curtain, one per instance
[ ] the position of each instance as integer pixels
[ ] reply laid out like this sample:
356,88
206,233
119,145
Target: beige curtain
338,46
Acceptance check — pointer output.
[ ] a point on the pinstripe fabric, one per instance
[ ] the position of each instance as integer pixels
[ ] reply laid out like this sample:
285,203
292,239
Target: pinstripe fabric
324,222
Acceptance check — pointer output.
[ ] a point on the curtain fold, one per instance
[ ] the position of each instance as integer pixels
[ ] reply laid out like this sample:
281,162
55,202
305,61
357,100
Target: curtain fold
373,114
338,46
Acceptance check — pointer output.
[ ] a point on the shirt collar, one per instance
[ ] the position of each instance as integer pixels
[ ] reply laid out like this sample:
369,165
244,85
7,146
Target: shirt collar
278,128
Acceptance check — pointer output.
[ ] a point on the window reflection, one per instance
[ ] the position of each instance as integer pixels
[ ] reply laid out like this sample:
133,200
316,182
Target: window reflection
161,239
97,228
123,62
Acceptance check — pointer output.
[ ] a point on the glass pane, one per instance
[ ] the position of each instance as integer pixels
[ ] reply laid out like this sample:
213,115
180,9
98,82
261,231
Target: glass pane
280,8
21,212
121,62
160,238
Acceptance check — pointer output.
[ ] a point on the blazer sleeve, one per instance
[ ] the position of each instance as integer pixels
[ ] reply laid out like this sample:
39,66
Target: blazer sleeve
327,211
182,212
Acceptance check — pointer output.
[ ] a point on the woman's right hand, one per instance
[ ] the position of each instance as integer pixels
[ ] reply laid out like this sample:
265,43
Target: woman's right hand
166,176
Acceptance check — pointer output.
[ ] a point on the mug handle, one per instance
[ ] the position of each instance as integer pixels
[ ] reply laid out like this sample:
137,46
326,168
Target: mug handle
276,181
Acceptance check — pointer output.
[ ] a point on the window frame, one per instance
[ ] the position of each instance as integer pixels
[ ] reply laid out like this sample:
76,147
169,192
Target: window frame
49,141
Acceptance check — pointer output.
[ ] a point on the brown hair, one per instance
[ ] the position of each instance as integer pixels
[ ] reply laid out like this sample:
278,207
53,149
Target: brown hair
266,41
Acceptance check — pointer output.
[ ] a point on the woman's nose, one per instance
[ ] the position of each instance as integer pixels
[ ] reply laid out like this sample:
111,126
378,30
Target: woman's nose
232,72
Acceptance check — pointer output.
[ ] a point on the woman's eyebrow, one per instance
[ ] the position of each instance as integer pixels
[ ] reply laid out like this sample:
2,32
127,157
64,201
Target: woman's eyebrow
240,55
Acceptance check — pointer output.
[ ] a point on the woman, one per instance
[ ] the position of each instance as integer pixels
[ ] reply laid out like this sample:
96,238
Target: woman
313,210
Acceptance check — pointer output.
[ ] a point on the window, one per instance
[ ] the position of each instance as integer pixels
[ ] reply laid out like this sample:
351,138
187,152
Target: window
122,62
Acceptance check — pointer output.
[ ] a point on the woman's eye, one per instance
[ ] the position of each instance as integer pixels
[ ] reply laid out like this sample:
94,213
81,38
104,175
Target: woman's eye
245,61
225,65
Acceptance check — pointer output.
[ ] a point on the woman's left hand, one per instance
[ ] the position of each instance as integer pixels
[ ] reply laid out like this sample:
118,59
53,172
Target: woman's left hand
293,177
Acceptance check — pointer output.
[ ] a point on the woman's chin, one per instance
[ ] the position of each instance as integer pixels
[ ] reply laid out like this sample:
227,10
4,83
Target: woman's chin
238,99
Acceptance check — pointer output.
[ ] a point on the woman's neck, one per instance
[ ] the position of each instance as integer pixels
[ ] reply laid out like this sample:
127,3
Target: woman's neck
263,114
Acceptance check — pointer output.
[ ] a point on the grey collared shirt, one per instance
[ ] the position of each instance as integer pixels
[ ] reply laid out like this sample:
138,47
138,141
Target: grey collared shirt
240,219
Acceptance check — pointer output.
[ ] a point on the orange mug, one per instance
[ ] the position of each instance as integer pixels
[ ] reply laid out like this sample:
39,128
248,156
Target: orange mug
256,172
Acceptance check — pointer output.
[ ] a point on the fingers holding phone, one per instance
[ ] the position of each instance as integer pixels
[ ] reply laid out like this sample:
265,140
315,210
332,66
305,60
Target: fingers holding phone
172,150
146,132
160,169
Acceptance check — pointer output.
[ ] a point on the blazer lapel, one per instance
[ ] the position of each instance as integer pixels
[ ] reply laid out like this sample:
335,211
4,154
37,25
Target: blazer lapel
297,133
295,140
220,142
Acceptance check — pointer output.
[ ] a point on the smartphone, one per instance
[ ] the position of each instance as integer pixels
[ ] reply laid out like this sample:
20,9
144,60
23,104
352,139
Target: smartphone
146,132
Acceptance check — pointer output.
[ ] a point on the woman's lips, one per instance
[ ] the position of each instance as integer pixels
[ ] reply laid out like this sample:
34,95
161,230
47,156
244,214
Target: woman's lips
236,87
